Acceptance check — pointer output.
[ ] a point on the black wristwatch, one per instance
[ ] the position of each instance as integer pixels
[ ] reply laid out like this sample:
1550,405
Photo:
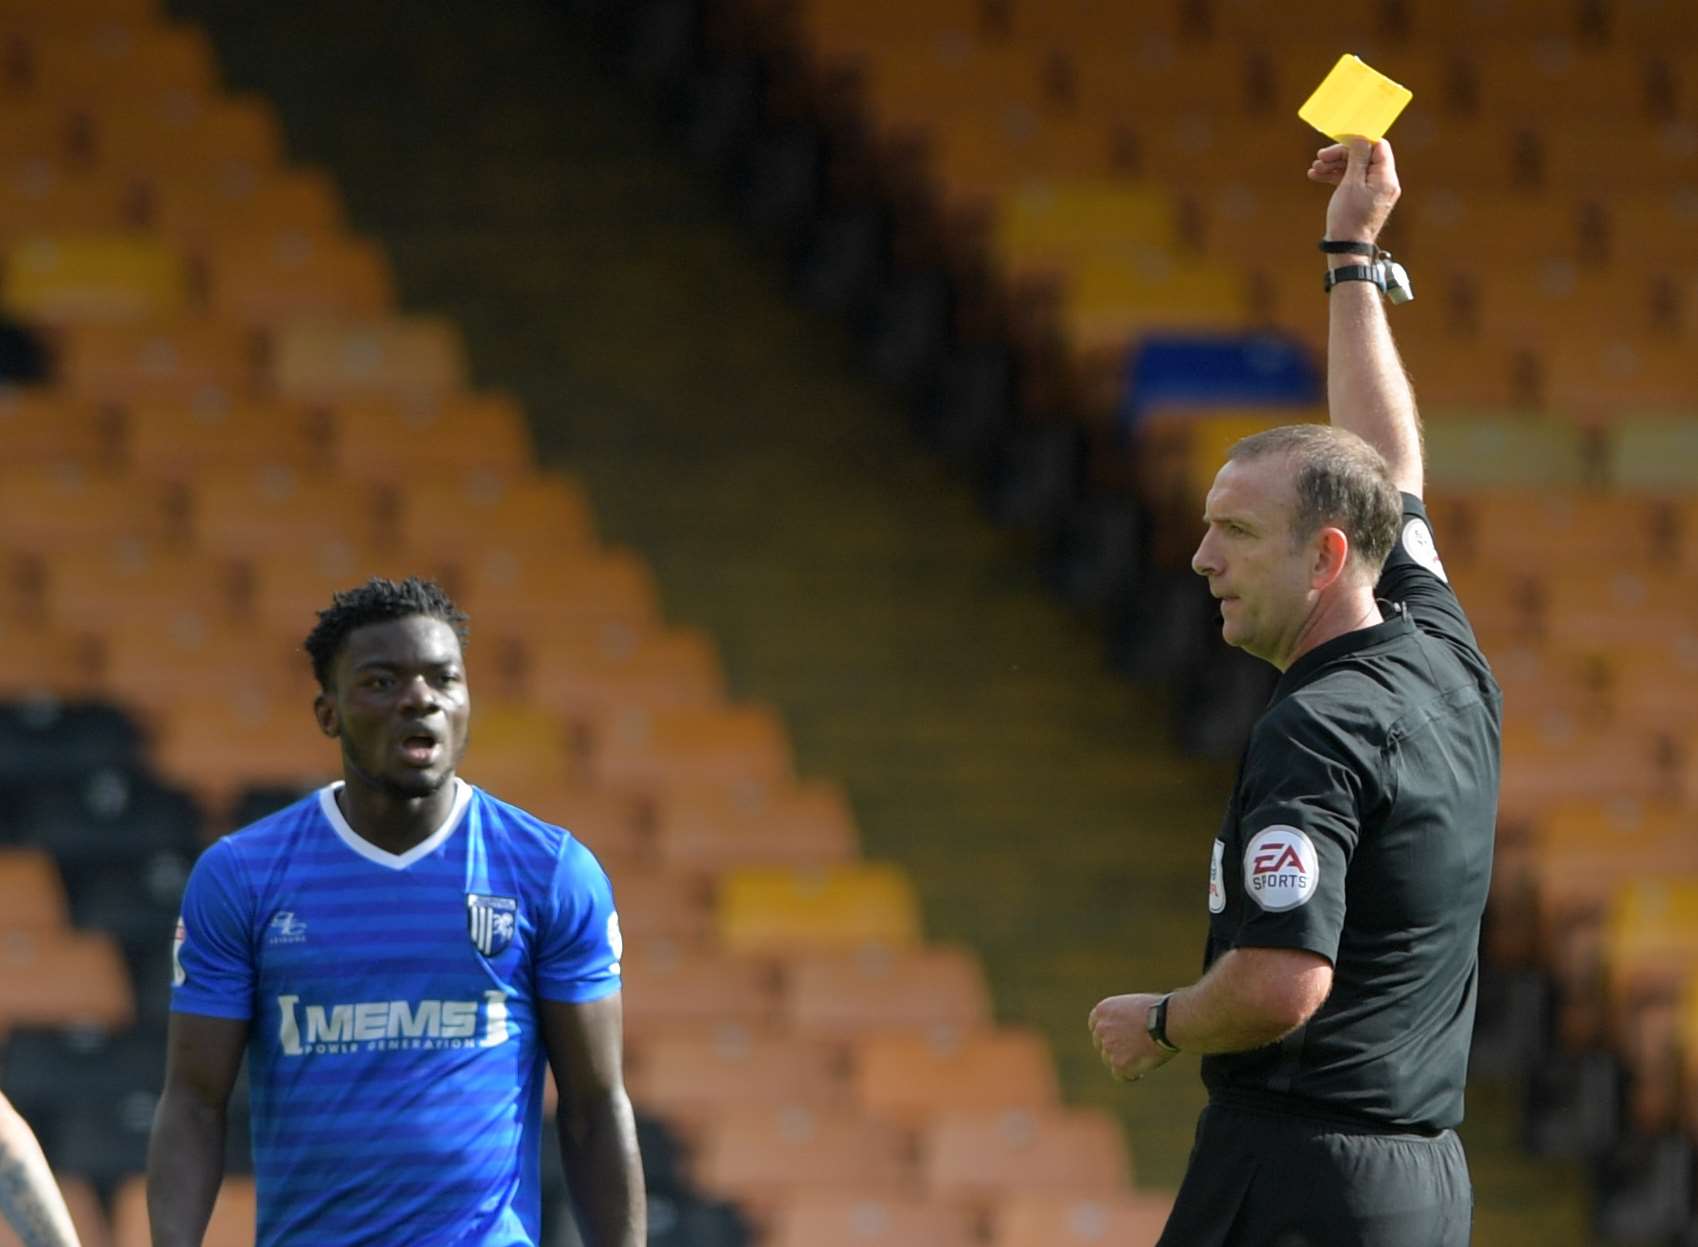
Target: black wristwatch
1155,1022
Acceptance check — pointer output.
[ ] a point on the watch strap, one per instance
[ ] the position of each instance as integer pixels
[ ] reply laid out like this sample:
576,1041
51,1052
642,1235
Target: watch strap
1339,247
1374,274
1156,1025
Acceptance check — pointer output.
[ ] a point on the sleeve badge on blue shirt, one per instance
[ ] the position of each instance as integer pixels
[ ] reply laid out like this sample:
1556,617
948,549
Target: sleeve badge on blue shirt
490,921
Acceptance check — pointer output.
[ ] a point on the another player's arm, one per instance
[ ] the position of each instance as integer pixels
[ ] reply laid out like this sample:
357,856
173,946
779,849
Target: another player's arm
29,1198
185,1154
598,1132
1368,391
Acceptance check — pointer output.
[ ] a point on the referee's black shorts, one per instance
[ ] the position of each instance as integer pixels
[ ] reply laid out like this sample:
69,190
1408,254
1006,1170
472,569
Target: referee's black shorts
1259,1180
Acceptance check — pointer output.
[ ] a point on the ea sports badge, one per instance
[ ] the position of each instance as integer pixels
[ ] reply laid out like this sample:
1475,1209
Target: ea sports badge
1280,868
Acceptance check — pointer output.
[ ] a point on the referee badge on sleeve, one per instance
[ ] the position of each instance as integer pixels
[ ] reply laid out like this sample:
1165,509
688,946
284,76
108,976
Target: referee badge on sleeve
490,921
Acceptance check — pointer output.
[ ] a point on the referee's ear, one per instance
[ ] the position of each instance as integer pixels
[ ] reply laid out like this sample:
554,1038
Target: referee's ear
1330,555
324,710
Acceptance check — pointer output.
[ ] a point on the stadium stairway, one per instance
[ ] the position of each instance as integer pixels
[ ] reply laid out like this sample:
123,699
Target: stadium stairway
848,578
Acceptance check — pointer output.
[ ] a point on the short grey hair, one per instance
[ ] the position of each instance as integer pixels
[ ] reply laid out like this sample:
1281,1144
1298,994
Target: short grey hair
1339,480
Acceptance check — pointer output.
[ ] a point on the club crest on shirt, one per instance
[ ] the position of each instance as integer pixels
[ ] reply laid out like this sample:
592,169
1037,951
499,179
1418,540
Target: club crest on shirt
490,921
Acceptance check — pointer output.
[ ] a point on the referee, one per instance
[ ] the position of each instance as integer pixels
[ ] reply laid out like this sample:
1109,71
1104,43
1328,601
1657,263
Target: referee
1347,882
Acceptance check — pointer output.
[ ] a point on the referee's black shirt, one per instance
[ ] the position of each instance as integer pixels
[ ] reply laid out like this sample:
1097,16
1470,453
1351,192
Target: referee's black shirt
1361,829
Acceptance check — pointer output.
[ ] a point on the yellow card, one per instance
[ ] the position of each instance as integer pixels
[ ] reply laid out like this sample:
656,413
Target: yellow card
1355,98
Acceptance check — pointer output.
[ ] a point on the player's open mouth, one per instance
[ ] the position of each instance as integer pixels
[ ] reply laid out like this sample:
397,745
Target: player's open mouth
420,748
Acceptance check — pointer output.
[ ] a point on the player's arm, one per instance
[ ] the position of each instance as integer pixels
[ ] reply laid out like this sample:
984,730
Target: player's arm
598,1132
185,1153
1368,392
29,1197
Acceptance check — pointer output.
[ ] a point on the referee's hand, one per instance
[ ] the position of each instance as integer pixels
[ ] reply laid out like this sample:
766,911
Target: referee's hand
1117,1026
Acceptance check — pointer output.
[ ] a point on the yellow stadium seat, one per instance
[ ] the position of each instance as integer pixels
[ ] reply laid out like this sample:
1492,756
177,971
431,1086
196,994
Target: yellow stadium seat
517,738
272,276
262,511
810,1219
1469,447
1057,1221
182,441
42,512
774,909
1044,224
196,210
1652,936
181,361
589,680
910,1077
63,979
46,428
693,1077
36,197
94,278
54,662
983,1156
338,361
682,745
108,64
809,825
476,451
672,985
1652,452
234,1214
168,137
1111,300
977,157
32,896
846,994
760,1155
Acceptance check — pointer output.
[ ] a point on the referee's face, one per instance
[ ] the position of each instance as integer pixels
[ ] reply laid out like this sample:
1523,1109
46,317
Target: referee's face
400,706
1254,569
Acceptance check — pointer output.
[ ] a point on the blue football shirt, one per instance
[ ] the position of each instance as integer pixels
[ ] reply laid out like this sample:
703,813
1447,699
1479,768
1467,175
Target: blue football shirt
394,1053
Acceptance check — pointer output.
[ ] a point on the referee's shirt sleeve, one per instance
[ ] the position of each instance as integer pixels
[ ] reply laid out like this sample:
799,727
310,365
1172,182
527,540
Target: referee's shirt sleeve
578,957
212,958
1297,831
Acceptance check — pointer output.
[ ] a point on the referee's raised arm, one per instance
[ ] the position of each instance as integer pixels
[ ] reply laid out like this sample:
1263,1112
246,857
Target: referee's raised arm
1368,391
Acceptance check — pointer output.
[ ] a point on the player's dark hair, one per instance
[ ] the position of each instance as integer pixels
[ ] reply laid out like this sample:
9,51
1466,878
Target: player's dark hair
1339,480
377,601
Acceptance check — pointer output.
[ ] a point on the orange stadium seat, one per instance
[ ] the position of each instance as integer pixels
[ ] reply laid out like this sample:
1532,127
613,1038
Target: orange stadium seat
983,1156
49,15
234,1215
1647,158
1473,447
1651,682
179,361
479,448
524,593
153,662
909,1077
32,896
216,741
272,276
1182,79
194,211
694,1077
105,65
272,510
124,580
67,508
87,1216
692,744
1551,301
592,677
37,138
759,1155
847,994
918,86
54,662
1657,227
1057,1221
675,986
1437,20
1559,80
45,428
776,910
1516,229
979,156
851,1220
64,979
809,825
855,26
517,738
163,138
181,441
93,278
665,904
288,587
1598,609
1518,529
1205,152
37,197
1549,762
338,361
1089,23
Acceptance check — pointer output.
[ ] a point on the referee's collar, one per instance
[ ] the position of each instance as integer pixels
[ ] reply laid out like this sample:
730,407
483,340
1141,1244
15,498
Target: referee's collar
1397,621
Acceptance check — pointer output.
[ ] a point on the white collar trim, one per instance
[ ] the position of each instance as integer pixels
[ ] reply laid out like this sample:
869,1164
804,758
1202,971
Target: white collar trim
382,857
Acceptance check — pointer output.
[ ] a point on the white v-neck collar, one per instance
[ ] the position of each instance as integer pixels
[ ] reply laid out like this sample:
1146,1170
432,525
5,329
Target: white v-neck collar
382,857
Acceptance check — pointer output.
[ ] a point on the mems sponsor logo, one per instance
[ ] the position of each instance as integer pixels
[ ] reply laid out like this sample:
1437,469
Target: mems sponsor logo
391,1025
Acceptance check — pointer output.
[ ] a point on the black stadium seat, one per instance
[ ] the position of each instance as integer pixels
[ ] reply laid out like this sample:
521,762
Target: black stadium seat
48,739
108,816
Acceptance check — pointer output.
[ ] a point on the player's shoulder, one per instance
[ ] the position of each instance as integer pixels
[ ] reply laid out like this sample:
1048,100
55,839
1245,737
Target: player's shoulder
275,835
526,832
